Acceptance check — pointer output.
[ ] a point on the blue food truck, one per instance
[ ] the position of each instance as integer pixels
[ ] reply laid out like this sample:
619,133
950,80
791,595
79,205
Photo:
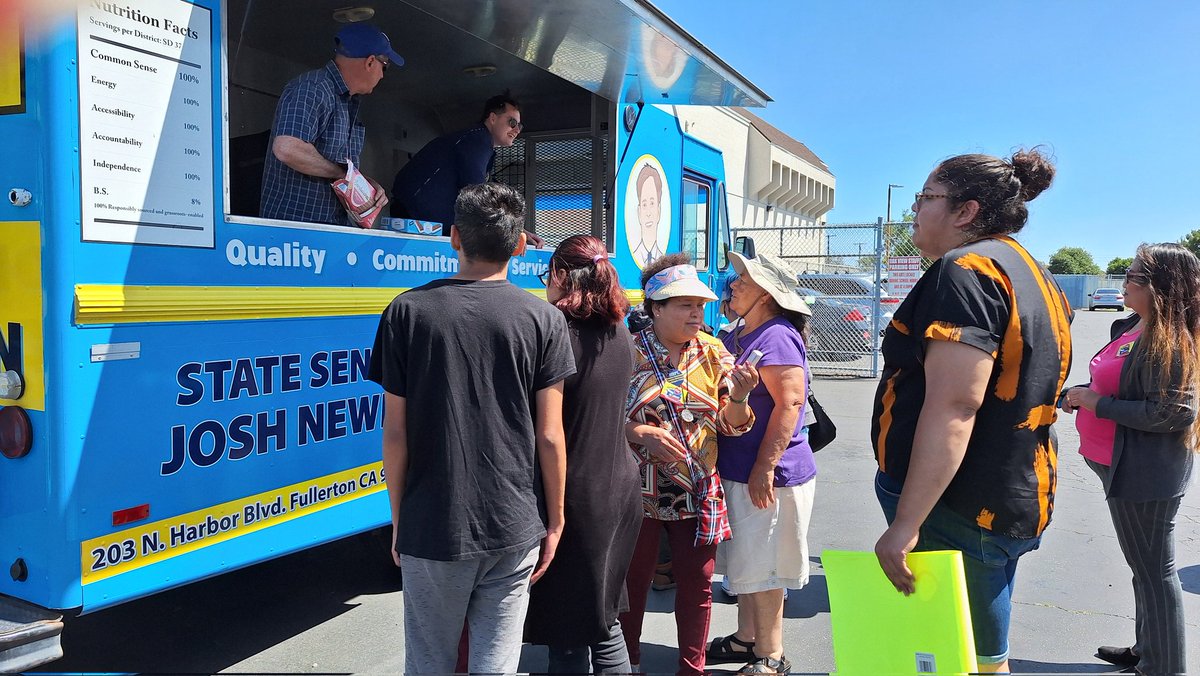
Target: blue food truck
182,382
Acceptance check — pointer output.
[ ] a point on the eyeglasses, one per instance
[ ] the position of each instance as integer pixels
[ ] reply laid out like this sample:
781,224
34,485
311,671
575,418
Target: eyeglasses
515,124
544,278
383,63
1139,278
927,196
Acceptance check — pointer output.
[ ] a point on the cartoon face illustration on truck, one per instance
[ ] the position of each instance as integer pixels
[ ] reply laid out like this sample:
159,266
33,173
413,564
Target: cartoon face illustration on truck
647,211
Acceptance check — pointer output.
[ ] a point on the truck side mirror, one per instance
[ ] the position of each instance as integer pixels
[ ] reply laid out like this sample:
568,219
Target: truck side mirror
744,245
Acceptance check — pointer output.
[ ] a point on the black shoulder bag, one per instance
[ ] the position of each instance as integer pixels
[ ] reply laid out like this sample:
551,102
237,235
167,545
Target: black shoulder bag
822,431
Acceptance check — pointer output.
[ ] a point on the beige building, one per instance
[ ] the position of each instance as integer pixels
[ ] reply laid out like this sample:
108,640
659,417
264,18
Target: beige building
773,181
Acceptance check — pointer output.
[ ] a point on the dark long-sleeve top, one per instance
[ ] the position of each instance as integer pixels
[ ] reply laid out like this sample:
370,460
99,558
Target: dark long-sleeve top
1151,460
426,187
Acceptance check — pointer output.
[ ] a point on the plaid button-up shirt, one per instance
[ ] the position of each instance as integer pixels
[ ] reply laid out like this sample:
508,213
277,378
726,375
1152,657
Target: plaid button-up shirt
316,107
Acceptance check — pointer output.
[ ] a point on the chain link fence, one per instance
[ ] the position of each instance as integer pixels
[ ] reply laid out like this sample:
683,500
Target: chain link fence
846,270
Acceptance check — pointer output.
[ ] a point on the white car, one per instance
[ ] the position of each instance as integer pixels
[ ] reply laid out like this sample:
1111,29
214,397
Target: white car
1106,298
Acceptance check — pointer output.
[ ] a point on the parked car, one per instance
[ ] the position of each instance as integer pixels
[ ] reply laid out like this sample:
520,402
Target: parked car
852,288
840,330
1106,298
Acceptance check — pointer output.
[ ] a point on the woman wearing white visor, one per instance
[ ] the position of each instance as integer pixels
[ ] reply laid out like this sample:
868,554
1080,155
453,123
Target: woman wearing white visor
685,391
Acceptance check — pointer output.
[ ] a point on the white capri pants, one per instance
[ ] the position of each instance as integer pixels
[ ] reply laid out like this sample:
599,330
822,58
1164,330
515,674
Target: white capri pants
769,548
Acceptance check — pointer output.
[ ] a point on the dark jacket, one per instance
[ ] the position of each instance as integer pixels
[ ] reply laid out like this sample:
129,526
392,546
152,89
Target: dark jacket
426,187
1151,460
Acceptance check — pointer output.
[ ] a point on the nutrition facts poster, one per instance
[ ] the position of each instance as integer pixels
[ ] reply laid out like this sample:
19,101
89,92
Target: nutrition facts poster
145,122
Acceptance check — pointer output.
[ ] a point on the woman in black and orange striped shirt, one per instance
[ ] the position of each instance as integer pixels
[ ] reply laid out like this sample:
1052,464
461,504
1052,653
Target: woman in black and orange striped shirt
973,362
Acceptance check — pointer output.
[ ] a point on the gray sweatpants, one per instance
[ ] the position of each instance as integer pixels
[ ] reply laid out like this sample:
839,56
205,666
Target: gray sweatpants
491,593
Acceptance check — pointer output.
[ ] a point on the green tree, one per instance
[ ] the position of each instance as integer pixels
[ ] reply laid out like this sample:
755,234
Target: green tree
899,236
1118,266
897,240
1192,241
1073,260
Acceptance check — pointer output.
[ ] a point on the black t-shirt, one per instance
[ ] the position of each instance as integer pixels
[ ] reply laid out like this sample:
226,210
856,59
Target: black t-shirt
991,295
468,358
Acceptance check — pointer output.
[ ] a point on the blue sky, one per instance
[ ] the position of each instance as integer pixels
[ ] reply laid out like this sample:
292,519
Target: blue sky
883,90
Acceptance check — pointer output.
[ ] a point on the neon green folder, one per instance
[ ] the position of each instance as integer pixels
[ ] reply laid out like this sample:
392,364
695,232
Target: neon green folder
878,630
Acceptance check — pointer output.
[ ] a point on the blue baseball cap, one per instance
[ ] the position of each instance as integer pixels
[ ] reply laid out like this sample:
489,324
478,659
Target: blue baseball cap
360,40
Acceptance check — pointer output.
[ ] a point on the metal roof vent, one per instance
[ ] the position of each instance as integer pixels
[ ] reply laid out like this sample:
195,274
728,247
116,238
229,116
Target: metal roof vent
482,70
353,14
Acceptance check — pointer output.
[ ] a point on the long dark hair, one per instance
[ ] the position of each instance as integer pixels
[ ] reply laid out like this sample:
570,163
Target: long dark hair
591,290
1172,325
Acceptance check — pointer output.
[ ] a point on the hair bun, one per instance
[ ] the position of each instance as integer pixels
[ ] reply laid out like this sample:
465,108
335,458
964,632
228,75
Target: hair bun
1033,170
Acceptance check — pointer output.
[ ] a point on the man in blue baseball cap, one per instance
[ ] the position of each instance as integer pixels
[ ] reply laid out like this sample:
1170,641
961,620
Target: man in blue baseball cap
317,130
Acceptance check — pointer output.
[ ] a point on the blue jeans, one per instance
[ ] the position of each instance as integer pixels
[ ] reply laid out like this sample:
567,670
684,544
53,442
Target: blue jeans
989,560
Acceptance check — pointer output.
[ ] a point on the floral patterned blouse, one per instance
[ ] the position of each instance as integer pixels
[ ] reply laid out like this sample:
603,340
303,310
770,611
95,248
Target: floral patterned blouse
703,382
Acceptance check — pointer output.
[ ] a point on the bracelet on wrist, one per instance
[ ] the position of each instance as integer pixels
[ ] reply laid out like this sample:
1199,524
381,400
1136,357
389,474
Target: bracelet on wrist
740,401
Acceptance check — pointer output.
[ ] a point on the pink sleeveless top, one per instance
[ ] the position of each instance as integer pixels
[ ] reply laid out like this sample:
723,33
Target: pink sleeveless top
1096,435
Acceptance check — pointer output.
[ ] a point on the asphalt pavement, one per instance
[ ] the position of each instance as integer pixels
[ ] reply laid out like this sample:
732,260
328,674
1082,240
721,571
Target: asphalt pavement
337,608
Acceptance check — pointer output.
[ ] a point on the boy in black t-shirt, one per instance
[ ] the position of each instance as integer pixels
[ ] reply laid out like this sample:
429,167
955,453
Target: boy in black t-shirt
473,367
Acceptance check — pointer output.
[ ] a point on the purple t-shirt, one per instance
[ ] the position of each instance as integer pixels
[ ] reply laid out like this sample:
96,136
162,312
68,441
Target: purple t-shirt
781,345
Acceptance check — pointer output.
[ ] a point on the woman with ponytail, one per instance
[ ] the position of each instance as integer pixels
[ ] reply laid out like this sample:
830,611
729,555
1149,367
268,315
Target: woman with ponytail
1137,431
573,608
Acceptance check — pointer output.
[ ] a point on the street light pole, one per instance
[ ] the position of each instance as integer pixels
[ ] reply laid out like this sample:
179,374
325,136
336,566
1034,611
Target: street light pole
889,201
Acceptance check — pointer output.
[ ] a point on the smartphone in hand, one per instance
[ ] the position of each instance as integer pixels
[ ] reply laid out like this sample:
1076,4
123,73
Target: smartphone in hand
755,356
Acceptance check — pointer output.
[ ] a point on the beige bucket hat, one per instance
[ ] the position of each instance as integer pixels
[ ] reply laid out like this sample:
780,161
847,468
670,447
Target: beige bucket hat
774,276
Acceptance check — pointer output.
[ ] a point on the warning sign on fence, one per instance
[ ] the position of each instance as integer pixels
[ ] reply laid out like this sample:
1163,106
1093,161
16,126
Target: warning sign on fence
903,273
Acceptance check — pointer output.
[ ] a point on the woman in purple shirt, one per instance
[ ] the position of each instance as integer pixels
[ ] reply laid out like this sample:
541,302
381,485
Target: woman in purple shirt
768,473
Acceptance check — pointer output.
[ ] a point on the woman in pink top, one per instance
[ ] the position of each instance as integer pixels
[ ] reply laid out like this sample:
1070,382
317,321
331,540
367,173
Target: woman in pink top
1096,435
1138,431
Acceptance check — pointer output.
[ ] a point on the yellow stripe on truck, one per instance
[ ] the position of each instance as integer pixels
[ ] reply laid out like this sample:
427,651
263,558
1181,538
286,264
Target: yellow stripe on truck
130,549
122,304
21,311
11,59
118,304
